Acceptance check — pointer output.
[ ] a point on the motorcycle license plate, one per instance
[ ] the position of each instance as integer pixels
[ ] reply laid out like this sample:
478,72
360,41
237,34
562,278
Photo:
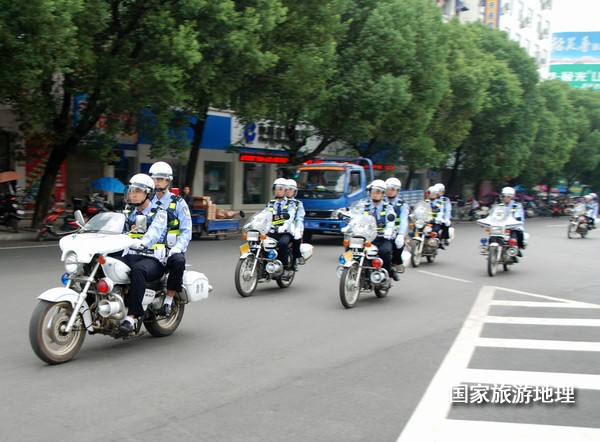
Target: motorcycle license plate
245,248
348,256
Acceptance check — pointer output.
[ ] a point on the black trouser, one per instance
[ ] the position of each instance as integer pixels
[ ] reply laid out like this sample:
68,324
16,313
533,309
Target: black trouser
518,235
296,248
175,267
143,269
385,252
283,241
396,254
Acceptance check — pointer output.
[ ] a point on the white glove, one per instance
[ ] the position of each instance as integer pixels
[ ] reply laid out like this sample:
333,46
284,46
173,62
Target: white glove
345,229
137,244
298,234
387,233
399,241
174,250
281,229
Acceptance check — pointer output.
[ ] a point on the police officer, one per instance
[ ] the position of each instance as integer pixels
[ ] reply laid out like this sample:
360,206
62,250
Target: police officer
508,199
392,194
386,223
591,209
298,223
284,214
179,222
437,211
446,213
141,255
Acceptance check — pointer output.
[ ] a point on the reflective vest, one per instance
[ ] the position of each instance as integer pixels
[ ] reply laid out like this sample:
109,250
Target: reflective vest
380,216
172,220
396,206
278,219
436,206
149,217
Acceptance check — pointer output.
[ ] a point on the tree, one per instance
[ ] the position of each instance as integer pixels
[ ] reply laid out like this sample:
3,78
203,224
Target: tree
124,57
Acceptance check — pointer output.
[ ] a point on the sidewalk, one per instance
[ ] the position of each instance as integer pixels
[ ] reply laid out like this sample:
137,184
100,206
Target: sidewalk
24,234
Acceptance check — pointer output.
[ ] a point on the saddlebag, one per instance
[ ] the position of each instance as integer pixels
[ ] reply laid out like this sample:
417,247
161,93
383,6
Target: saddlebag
306,250
196,285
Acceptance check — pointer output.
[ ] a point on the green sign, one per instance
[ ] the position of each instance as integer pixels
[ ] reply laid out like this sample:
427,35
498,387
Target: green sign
582,76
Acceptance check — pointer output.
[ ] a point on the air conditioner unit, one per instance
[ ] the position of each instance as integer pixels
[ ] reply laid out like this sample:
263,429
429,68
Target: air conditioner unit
525,22
506,8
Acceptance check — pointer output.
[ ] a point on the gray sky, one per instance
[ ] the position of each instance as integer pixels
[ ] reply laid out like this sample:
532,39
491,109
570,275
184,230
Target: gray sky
576,15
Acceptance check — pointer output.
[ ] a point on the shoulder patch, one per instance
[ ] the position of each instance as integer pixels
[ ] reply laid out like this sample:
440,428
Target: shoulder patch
186,210
161,216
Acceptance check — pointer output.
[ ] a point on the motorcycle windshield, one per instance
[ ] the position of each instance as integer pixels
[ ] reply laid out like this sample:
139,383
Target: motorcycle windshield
579,209
106,222
260,221
421,212
501,216
364,226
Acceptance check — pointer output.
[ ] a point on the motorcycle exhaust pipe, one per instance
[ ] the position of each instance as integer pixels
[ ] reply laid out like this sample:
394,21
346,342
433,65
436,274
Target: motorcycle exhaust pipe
274,268
379,276
110,309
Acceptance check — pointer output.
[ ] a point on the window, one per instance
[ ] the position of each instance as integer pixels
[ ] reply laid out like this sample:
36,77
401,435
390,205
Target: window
254,184
217,181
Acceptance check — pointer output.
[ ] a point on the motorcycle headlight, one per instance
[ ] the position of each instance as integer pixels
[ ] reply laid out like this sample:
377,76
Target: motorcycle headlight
357,243
497,230
419,224
252,235
71,264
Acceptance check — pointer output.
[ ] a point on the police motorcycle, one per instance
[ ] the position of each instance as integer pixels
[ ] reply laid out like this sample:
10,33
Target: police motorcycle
93,299
499,246
361,268
578,223
424,241
258,256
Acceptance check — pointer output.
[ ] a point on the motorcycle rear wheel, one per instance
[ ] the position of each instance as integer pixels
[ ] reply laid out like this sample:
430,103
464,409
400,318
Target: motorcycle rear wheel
245,283
162,327
46,335
415,259
382,292
349,290
285,283
492,264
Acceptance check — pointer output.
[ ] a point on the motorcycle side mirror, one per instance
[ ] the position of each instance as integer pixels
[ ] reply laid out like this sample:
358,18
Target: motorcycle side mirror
242,214
171,239
141,224
391,217
79,218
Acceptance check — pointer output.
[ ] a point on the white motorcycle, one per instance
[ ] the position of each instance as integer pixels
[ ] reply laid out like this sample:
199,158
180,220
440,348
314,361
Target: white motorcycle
499,246
94,296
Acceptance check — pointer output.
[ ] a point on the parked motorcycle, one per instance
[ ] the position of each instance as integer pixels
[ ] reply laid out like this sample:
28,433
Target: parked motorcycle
11,210
258,260
578,223
94,296
424,241
51,226
499,246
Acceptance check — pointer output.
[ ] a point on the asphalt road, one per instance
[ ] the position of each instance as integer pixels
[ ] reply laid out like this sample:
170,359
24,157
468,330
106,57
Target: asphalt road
294,365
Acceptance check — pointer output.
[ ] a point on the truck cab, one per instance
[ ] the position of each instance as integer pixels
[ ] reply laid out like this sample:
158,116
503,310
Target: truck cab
327,187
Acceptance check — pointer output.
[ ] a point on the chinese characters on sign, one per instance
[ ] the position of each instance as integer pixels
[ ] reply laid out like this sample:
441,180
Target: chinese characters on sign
512,394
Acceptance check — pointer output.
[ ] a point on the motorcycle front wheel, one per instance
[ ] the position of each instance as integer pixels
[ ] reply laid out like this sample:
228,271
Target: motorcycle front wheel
349,290
245,279
492,264
572,230
161,326
46,332
416,249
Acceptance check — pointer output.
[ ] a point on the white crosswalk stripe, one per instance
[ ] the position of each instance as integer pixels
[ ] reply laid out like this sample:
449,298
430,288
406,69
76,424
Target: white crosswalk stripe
430,420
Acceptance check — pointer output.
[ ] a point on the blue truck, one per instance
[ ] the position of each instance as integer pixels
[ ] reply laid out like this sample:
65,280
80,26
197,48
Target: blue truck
328,186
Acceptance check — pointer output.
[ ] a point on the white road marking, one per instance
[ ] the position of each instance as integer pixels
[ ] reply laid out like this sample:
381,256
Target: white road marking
444,276
429,421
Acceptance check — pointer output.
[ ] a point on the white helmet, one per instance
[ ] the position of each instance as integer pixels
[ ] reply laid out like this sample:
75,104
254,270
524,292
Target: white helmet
508,191
441,187
280,182
161,169
293,185
378,185
140,181
433,189
393,183
588,197
593,195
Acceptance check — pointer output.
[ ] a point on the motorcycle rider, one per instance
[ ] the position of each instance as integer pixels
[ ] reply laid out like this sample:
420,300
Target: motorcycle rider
298,223
392,196
179,222
386,223
437,211
140,256
447,213
508,199
591,210
284,214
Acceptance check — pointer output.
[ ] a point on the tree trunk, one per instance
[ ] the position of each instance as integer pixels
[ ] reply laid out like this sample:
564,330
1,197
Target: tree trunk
198,129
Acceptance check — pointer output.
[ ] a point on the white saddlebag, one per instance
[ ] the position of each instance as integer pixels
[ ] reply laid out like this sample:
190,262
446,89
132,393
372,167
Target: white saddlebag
306,250
196,285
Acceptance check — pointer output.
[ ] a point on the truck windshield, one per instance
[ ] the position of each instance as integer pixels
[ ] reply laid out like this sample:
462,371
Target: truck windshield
329,182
